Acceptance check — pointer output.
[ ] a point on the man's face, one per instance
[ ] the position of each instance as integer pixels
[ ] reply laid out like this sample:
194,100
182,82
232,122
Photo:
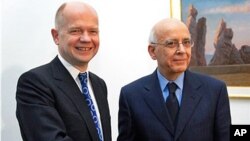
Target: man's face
78,37
172,61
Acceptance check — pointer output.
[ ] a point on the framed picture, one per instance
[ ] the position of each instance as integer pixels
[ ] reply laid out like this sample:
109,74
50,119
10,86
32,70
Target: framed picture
220,30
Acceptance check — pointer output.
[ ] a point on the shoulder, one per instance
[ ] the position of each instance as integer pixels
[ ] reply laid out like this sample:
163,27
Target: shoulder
95,77
139,81
45,68
52,69
37,75
37,70
139,85
204,77
96,80
43,72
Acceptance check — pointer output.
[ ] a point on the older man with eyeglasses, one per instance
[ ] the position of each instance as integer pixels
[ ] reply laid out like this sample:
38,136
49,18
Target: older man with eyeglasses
173,103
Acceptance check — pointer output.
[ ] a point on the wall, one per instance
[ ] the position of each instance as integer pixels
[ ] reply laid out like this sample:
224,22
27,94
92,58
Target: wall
240,111
124,25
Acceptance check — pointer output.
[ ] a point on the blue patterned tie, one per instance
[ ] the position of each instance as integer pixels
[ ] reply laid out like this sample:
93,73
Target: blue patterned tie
85,92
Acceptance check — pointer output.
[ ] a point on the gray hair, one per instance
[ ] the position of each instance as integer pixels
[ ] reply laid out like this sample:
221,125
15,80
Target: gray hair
152,37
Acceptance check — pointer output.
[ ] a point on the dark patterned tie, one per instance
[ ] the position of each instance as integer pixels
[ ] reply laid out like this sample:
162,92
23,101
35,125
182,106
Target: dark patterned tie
172,102
85,92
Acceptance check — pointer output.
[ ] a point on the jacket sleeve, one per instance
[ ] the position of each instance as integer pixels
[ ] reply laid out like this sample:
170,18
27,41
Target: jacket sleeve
223,116
36,113
125,126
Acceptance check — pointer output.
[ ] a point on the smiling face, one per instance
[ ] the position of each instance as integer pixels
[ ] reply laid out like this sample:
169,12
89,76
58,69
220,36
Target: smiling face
77,34
171,61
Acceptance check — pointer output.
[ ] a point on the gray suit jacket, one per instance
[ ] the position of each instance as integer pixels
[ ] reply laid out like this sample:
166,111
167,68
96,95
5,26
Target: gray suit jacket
204,113
50,106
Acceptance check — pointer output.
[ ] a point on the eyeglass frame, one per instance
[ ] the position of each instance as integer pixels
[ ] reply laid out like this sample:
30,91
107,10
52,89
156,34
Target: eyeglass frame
175,42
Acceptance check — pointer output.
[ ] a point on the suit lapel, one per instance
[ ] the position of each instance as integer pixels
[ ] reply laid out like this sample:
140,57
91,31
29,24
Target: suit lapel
100,93
155,101
190,98
67,84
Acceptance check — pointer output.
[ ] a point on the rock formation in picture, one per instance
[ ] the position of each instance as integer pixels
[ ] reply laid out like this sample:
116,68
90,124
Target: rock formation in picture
198,35
191,24
245,53
225,51
200,42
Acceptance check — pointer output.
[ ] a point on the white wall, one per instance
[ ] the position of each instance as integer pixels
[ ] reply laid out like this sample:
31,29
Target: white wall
240,111
0,70
124,29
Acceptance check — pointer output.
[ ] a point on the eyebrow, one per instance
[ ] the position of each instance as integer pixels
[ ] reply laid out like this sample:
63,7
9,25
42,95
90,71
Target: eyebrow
177,39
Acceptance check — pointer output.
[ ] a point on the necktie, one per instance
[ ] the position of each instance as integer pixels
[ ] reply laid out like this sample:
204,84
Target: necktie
172,102
85,92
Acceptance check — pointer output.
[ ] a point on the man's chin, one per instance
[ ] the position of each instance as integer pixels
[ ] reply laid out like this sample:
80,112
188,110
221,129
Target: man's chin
180,69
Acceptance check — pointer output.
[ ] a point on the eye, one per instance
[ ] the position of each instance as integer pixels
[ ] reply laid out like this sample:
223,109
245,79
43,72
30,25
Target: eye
187,42
93,32
171,44
75,31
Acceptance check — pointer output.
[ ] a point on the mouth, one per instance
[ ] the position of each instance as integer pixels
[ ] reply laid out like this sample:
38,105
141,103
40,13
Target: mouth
180,60
84,48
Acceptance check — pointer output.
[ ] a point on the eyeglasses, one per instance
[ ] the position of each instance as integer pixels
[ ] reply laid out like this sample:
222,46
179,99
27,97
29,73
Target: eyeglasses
187,43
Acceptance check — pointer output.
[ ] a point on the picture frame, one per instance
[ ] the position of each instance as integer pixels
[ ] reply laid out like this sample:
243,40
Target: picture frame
222,45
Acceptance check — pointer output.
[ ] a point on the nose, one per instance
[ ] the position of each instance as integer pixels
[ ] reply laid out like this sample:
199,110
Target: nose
181,48
85,37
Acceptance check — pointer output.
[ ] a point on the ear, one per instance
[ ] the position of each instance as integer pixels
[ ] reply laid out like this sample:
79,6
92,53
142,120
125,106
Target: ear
55,35
151,51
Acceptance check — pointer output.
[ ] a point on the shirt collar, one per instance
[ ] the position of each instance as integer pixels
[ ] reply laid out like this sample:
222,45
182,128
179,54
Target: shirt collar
163,81
71,69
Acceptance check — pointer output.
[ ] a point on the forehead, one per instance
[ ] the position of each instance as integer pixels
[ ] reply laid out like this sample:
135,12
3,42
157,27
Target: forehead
78,15
172,30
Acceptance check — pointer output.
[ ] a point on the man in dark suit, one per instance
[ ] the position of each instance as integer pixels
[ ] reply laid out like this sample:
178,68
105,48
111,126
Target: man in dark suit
173,103
53,104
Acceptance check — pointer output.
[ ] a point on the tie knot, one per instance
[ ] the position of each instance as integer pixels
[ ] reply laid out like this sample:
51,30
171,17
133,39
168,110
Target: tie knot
83,77
172,87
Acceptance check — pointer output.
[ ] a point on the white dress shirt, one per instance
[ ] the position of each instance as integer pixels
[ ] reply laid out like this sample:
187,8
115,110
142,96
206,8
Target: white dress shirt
74,73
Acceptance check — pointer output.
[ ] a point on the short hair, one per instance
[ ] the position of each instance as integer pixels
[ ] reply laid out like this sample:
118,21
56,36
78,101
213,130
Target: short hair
152,36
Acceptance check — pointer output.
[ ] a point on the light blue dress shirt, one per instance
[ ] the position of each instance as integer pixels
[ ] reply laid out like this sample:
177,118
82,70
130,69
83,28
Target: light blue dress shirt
163,84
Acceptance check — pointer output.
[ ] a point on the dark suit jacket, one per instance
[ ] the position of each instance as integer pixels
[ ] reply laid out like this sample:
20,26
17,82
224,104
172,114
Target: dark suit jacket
204,113
50,106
